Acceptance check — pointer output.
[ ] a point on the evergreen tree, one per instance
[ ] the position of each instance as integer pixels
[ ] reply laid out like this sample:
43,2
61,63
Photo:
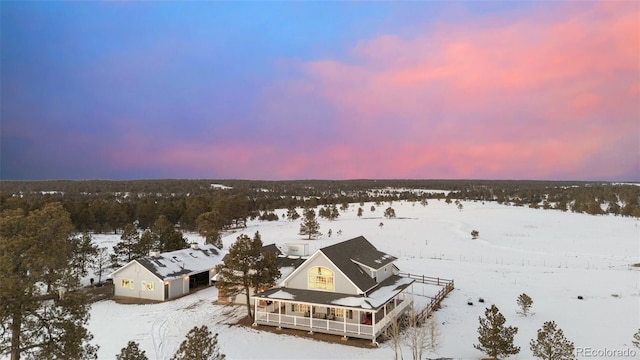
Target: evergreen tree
147,243
636,339
210,228
265,270
246,267
199,344
333,212
35,255
551,344
495,339
166,237
310,225
360,212
128,248
101,262
323,212
83,253
389,213
292,214
524,302
132,352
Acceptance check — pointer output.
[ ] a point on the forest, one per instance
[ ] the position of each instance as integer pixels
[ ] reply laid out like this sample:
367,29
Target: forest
103,206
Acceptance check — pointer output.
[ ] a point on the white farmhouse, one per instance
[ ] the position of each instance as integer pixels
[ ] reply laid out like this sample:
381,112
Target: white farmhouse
350,289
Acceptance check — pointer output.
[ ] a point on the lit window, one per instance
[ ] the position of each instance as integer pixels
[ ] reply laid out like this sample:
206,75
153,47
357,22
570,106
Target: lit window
300,308
339,312
127,283
148,285
320,278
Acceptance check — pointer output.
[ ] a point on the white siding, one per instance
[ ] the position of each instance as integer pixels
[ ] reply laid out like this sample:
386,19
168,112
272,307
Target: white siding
300,279
384,273
128,282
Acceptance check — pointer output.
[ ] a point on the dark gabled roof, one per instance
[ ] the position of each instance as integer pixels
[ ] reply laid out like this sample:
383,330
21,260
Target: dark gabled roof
272,248
359,250
285,261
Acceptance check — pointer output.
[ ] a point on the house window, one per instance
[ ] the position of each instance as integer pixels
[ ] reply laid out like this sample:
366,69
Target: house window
320,278
127,283
300,308
148,285
339,312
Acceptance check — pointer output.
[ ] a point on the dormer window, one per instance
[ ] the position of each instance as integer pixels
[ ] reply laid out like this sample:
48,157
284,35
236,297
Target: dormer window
321,278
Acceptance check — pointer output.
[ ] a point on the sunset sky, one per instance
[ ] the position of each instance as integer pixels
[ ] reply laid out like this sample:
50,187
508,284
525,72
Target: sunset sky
320,90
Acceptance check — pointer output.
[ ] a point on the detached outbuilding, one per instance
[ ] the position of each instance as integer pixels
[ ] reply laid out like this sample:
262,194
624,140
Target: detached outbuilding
165,276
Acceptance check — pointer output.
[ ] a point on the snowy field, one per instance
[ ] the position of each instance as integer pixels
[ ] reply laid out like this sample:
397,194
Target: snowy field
552,256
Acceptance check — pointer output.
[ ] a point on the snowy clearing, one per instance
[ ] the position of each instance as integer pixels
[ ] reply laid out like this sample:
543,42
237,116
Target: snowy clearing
552,256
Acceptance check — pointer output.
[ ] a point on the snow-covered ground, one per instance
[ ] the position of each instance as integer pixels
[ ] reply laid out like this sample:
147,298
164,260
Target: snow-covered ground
552,256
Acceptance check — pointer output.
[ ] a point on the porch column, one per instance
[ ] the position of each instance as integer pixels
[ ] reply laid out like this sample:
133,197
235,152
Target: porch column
373,327
279,314
255,313
311,320
344,319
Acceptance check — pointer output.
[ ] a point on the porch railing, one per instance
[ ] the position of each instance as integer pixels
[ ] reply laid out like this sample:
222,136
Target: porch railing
335,327
318,325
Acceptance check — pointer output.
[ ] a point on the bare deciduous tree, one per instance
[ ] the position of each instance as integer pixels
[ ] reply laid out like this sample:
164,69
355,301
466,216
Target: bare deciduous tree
416,334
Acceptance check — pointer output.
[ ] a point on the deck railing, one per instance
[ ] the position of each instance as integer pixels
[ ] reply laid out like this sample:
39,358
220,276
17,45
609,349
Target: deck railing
447,287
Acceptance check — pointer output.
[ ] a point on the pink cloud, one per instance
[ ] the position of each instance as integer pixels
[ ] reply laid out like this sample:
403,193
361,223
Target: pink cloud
541,95
551,94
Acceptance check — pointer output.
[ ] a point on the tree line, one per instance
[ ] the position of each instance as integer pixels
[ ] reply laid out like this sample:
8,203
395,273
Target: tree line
108,206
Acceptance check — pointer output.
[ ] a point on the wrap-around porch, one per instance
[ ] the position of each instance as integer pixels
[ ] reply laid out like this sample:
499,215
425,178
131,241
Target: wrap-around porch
344,320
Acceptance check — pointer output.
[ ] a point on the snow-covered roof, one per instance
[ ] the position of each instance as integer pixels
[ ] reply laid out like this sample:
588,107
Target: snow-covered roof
185,262
384,292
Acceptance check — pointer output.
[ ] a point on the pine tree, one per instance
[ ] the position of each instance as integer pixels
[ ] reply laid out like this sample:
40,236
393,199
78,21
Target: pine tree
35,255
210,228
495,339
246,267
551,344
132,352
333,212
636,339
128,248
82,253
524,302
292,214
199,344
100,263
360,212
389,213
310,225
166,236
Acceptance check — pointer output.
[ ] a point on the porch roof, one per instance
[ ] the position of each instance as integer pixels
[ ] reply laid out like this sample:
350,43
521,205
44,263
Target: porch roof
376,298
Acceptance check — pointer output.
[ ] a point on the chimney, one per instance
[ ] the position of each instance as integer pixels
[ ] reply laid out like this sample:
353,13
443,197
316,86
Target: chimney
154,254
194,245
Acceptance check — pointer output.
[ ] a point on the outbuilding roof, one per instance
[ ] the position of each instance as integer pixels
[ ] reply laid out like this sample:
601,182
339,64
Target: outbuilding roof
174,264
